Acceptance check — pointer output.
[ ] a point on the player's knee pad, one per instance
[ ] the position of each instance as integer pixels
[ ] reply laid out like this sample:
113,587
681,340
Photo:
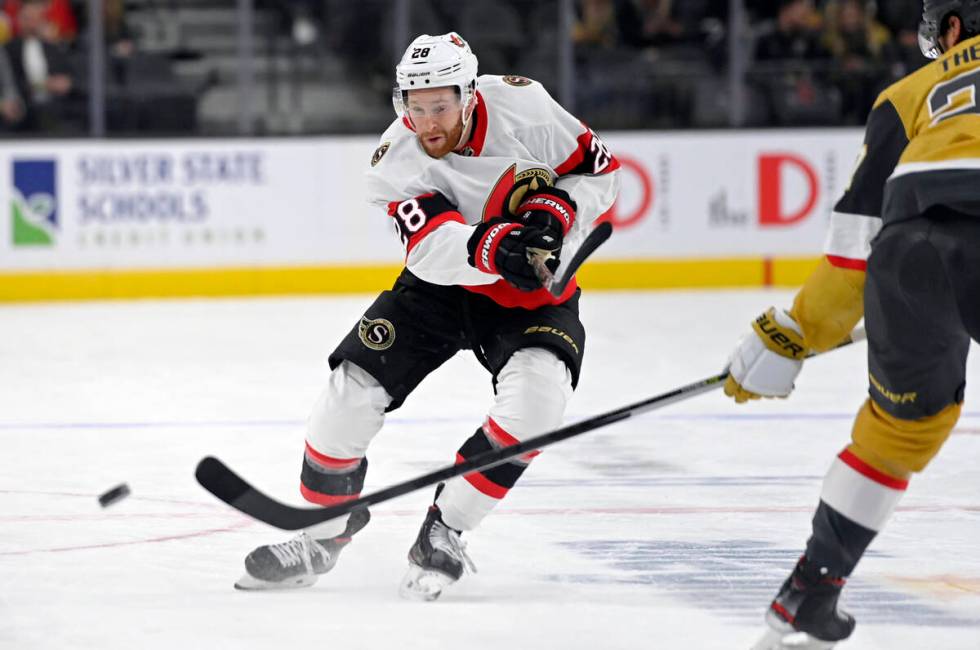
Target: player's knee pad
533,388
348,414
900,447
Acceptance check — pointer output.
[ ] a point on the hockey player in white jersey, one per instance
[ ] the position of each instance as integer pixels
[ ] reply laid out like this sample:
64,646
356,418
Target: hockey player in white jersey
475,173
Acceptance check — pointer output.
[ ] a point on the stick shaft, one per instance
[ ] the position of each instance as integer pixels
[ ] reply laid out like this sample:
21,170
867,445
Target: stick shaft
225,484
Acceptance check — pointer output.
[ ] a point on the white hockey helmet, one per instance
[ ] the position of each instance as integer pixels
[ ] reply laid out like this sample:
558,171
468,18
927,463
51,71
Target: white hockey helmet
435,62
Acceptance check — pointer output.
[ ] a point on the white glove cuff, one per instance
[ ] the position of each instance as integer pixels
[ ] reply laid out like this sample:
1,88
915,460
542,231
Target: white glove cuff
759,370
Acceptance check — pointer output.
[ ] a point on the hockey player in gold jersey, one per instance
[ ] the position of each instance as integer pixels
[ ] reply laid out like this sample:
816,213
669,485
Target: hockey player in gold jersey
903,251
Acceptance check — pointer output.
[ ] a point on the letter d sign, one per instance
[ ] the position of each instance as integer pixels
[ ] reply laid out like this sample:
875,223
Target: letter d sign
772,188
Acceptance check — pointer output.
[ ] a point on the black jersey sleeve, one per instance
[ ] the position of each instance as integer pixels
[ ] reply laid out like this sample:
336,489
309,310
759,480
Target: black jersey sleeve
885,139
856,219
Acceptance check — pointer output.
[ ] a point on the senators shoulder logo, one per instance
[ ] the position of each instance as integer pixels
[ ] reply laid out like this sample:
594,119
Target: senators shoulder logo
379,153
516,80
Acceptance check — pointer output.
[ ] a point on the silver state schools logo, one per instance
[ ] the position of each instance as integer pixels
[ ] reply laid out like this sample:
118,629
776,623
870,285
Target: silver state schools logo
377,333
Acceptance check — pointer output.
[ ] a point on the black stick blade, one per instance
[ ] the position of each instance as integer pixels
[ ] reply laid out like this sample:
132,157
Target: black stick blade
218,479
221,481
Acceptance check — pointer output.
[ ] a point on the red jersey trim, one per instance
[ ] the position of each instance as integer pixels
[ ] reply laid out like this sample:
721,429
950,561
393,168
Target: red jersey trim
541,203
783,612
408,123
325,499
509,296
483,260
497,433
432,225
847,263
482,483
330,462
861,467
578,156
479,136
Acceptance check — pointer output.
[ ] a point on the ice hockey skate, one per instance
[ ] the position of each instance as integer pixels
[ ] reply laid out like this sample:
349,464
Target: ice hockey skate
804,615
436,560
298,562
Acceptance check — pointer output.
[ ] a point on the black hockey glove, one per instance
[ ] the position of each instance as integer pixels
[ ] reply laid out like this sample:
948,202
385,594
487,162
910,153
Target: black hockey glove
501,246
549,209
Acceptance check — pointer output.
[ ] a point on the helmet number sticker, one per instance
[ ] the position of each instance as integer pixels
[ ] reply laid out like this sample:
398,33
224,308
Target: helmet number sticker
420,52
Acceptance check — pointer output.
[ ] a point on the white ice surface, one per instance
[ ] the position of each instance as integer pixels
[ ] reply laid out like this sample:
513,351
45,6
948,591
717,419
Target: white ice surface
671,530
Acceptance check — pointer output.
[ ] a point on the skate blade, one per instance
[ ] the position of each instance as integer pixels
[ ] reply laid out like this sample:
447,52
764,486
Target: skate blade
780,640
423,584
251,583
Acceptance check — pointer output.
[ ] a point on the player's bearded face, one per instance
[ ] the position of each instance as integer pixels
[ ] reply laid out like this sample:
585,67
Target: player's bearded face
437,116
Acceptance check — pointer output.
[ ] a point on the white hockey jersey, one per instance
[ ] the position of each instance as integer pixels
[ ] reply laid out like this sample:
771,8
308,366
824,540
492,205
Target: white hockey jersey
519,131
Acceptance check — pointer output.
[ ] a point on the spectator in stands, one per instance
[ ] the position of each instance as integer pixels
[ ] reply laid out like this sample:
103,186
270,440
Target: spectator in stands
118,36
862,49
902,18
41,69
792,65
795,35
598,24
852,34
660,27
6,27
900,15
60,23
11,104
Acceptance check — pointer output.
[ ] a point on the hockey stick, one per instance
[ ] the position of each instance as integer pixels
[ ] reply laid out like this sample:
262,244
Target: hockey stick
218,479
556,284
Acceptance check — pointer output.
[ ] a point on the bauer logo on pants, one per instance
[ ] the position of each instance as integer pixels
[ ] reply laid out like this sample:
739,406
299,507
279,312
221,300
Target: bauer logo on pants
377,334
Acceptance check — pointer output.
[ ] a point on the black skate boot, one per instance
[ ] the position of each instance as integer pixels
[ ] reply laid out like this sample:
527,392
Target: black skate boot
298,562
436,560
804,613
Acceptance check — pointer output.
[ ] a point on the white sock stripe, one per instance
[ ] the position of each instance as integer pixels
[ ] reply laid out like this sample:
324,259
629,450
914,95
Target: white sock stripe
858,497
463,506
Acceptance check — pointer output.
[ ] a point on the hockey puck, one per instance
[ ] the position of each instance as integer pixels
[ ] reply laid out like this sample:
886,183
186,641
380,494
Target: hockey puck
117,493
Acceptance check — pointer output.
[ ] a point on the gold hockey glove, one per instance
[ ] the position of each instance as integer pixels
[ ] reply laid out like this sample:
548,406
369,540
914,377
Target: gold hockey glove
768,359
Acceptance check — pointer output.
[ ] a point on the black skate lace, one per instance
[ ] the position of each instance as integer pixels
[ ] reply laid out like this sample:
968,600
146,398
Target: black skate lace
448,541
